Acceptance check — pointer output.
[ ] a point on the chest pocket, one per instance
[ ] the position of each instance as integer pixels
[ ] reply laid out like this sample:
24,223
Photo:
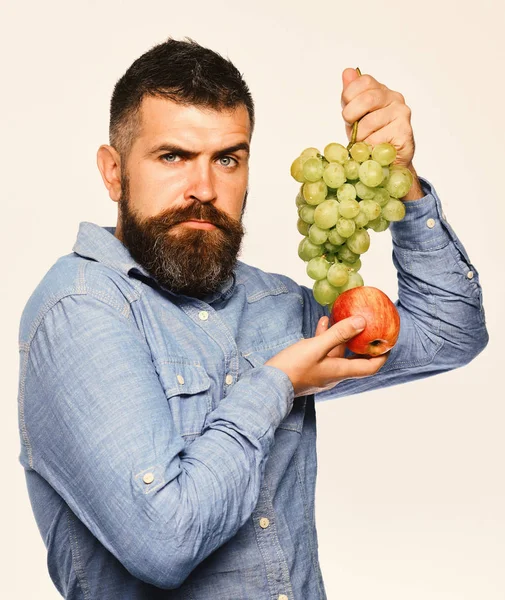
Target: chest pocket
257,358
186,386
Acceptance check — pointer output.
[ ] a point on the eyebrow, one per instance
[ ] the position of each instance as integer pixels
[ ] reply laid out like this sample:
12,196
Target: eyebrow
174,149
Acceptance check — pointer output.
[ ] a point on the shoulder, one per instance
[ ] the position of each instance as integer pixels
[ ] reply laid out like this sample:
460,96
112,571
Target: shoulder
73,275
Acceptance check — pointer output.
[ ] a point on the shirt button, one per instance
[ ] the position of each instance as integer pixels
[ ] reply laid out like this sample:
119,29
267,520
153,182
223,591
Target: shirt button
180,379
470,274
430,223
229,379
148,478
264,523
203,315
282,597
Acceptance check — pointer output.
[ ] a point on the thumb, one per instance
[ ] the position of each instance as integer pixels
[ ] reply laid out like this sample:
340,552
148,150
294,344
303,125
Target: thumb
349,75
340,333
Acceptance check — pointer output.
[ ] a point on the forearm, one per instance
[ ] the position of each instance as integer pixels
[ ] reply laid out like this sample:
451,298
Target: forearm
100,432
439,300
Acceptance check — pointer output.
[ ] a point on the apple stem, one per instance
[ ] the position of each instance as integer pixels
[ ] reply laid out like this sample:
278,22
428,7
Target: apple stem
355,125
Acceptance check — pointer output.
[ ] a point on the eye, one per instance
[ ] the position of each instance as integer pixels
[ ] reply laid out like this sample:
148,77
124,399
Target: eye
170,157
227,161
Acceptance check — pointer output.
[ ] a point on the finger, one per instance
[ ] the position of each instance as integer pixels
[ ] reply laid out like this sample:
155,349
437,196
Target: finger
357,86
348,75
346,368
340,333
375,121
394,133
367,101
322,325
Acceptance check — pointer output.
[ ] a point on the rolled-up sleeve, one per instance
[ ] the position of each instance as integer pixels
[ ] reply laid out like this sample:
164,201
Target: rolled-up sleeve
439,301
99,430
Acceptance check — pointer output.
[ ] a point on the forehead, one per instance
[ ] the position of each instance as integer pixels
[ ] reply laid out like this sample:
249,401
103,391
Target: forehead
165,120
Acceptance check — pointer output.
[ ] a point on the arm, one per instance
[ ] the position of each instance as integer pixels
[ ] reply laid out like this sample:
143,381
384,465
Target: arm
439,300
97,421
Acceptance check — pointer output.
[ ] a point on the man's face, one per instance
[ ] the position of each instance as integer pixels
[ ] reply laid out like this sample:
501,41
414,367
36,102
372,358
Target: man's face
183,190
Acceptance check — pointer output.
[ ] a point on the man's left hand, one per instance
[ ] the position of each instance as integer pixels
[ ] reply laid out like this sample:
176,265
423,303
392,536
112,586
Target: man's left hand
385,117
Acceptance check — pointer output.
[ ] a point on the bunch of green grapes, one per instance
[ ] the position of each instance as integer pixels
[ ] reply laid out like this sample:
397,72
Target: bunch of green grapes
345,192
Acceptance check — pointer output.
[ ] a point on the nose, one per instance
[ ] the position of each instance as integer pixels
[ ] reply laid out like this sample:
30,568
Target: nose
201,184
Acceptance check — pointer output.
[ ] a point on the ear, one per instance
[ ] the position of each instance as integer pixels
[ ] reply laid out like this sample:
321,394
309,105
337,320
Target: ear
109,165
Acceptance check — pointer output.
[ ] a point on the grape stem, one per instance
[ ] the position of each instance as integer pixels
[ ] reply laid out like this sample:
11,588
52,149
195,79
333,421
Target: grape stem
355,125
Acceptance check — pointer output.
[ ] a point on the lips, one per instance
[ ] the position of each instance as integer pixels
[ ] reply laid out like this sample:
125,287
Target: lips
197,224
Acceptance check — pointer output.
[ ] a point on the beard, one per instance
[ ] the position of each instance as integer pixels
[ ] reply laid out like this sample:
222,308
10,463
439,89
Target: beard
193,262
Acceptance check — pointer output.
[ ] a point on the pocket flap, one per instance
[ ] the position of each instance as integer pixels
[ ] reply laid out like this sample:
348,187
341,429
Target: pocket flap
179,378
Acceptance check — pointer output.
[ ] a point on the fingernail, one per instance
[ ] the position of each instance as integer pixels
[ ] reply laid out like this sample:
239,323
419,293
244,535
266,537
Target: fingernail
358,322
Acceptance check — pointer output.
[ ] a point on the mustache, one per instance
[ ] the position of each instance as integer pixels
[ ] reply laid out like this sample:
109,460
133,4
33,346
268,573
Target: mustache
198,211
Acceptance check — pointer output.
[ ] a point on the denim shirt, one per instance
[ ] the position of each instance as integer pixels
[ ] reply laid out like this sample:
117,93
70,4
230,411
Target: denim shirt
163,459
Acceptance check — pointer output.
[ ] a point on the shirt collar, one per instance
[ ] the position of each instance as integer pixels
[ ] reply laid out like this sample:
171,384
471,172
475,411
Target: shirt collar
100,244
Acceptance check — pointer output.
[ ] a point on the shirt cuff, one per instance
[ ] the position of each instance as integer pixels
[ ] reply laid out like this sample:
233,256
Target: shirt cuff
424,226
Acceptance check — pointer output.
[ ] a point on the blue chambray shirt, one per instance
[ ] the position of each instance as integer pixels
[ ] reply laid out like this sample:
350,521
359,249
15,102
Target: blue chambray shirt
162,458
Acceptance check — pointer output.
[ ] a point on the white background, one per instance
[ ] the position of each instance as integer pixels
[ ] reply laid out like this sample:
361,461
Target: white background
411,492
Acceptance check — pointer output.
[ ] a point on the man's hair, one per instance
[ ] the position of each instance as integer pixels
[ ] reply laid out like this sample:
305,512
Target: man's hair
181,71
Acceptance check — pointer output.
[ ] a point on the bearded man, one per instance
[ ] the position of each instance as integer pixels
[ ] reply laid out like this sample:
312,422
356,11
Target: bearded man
167,389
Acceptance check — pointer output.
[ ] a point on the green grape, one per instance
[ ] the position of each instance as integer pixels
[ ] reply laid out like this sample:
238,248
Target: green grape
394,210
326,214
346,192
302,227
363,191
347,255
299,200
379,224
334,175
317,235
361,219
335,238
317,268
308,250
360,152
399,182
297,169
306,213
337,275
355,280
371,209
381,196
384,154
345,227
314,192
385,171
348,208
336,153
351,169
313,169
310,153
370,173
355,266
324,292
359,241
331,248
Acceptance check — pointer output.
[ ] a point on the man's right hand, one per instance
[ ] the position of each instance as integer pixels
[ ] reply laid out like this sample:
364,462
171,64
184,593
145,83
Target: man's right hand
318,363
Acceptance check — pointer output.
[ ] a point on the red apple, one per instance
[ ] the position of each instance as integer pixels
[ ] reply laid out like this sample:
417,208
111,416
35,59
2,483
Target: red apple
382,319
